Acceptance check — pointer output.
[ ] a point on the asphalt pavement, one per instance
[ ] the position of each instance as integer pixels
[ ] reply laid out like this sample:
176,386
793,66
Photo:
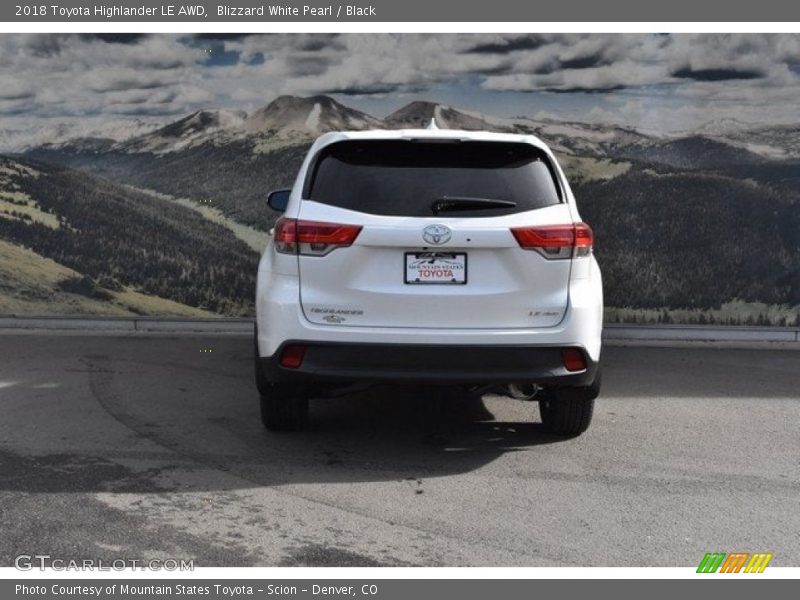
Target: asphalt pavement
144,447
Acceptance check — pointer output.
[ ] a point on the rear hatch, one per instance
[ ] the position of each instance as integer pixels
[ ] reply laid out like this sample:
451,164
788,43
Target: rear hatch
400,233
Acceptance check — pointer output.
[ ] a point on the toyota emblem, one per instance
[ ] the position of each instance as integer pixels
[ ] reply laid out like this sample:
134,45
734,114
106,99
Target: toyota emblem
437,234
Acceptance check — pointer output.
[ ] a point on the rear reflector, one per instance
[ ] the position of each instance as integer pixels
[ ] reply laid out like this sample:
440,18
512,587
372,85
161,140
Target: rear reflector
573,359
556,241
312,238
292,356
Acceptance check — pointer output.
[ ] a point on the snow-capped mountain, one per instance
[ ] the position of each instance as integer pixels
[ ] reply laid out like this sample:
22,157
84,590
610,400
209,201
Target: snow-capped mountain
287,118
297,120
563,137
719,127
419,114
292,115
195,129
293,119
21,137
769,141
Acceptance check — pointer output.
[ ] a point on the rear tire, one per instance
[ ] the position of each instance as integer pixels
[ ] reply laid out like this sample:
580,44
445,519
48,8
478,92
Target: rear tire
284,406
568,411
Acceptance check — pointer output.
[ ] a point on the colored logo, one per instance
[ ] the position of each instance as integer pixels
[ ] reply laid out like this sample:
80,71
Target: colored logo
735,562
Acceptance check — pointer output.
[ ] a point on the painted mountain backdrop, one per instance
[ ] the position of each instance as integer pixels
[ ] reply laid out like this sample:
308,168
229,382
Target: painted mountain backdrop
697,226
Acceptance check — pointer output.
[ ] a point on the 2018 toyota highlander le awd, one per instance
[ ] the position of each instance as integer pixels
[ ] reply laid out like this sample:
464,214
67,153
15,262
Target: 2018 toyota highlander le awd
429,256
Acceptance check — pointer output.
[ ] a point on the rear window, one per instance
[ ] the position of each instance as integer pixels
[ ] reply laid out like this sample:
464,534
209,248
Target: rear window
406,178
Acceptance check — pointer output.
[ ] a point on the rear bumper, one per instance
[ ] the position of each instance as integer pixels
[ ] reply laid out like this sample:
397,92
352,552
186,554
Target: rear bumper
280,320
334,362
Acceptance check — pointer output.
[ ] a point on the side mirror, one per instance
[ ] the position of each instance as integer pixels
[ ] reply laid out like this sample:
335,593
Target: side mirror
279,199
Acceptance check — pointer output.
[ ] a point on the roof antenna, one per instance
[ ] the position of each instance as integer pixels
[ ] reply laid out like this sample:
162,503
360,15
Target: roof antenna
432,124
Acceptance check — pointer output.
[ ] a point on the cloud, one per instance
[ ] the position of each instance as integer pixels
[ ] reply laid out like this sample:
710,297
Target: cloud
366,90
622,75
676,76
585,62
584,90
506,44
14,88
104,79
715,74
79,74
115,38
222,37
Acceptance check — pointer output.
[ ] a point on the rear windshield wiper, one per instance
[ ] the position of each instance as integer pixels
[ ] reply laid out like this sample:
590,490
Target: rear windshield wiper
456,203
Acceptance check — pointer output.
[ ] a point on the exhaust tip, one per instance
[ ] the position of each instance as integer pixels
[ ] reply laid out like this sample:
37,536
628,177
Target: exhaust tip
522,391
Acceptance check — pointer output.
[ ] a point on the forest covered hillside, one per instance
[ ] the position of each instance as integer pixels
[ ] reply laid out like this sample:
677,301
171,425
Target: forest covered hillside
116,239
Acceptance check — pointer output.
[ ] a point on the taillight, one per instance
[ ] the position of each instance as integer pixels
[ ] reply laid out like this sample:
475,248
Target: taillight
312,238
556,241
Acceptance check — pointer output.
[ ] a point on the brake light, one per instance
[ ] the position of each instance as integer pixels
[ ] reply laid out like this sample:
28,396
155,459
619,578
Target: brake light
312,238
573,359
556,241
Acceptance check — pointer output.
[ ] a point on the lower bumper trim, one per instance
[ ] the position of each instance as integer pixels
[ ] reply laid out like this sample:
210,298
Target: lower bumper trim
428,363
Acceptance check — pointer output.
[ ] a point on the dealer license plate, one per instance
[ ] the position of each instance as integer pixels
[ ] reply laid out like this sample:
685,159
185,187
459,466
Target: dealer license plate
436,267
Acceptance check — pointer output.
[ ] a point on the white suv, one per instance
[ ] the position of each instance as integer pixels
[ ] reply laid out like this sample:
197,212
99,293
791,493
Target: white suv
429,256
